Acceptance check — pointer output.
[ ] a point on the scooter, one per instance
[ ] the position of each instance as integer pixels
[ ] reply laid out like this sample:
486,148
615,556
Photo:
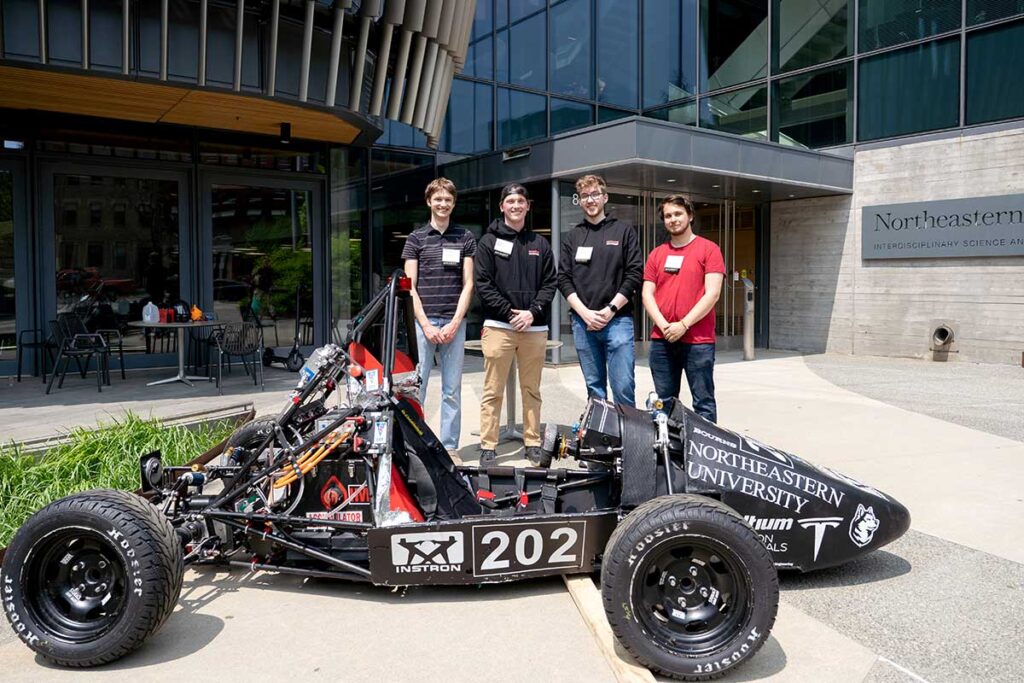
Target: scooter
294,359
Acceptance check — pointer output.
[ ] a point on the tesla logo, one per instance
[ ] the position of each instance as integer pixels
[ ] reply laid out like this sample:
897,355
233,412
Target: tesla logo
819,524
434,551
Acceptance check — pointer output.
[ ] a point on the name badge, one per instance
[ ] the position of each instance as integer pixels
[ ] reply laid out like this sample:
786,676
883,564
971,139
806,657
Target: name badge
503,247
673,263
451,256
583,254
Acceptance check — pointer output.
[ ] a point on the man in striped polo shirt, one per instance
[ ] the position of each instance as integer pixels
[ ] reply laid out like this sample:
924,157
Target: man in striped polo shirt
439,261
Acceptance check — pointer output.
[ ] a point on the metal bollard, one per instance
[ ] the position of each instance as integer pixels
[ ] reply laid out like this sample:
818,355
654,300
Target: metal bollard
748,319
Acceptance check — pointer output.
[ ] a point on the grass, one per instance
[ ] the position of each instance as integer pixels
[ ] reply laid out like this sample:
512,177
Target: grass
106,457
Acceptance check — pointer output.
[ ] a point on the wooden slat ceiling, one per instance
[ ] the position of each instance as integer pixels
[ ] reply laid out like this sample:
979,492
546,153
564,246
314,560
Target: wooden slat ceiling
117,98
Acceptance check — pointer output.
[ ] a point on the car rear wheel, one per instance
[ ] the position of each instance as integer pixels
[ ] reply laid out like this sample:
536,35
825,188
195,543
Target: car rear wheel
89,577
688,587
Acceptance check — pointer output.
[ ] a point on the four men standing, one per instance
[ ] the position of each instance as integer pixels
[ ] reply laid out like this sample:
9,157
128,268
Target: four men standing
601,266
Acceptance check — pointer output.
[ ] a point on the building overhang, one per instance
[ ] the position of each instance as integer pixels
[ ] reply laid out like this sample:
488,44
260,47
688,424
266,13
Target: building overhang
655,155
129,99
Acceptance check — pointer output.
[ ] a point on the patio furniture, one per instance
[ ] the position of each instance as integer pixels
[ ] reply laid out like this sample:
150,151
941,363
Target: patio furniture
180,327
243,340
75,324
79,347
42,345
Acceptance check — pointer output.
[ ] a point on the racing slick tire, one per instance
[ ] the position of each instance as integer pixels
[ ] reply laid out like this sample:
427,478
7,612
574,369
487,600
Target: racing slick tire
87,579
688,587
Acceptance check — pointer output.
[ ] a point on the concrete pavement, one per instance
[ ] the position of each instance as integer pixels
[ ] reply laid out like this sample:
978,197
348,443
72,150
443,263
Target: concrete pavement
944,603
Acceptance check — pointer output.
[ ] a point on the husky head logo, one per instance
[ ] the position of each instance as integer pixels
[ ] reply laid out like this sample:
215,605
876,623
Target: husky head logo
863,525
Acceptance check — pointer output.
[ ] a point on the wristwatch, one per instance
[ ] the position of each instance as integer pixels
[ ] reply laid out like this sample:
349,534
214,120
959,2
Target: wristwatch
615,309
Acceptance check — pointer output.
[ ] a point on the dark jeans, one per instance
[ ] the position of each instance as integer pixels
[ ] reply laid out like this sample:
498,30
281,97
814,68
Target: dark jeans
669,361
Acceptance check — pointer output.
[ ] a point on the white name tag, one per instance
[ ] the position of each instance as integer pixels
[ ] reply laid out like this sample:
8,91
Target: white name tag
673,263
583,254
451,256
503,247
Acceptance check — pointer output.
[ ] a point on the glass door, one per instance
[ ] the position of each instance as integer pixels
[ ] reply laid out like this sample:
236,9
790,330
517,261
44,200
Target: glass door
260,265
15,313
114,237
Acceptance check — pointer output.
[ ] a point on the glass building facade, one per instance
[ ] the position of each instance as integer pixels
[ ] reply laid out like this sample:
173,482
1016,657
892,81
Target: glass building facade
809,74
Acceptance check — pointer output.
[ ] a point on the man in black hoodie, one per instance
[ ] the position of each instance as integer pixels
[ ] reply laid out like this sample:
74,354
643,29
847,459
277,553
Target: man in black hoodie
601,267
516,282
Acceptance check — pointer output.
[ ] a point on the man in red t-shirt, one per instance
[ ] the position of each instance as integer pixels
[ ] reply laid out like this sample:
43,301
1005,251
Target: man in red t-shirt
682,282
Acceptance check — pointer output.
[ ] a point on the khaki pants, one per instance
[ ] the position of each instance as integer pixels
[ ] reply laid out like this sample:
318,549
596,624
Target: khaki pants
500,347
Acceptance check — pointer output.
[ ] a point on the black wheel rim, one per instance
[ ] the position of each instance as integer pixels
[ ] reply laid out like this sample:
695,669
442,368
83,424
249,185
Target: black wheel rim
77,584
691,595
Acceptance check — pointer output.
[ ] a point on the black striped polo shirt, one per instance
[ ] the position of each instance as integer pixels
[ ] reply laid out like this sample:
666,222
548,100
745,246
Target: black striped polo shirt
438,285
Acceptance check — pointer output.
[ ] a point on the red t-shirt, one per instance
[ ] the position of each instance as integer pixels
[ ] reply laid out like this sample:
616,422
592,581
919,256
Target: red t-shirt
676,293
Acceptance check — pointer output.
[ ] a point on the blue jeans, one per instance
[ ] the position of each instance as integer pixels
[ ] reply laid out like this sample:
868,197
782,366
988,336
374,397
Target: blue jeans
452,355
607,353
669,361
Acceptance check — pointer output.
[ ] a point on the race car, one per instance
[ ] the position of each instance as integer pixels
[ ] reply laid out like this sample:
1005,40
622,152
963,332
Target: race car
687,522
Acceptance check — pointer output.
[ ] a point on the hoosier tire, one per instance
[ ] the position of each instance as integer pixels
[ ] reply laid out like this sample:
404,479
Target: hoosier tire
90,577
688,587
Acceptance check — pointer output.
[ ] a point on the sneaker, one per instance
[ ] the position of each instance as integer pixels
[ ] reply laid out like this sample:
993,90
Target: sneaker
488,458
538,456
454,455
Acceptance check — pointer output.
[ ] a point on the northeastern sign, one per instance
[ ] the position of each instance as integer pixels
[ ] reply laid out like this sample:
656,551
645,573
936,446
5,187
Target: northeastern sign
979,226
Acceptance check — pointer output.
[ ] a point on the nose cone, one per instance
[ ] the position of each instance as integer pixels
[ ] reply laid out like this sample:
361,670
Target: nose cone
898,521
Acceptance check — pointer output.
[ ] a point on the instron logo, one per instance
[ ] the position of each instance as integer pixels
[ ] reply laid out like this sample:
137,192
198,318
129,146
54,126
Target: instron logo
434,551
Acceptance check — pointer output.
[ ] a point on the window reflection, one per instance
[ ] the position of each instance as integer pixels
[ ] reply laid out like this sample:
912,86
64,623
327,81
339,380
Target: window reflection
815,109
570,57
617,70
566,115
7,307
469,119
262,258
890,22
734,42
521,53
521,117
995,60
670,59
116,241
742,112
809,33
894,84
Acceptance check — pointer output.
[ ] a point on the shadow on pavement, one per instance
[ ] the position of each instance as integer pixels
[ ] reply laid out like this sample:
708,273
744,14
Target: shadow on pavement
872,568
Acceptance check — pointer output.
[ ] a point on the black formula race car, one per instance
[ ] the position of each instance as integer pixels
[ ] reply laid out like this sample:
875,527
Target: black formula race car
686,521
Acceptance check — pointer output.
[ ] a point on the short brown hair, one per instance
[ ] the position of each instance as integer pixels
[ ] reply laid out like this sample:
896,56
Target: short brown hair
675,200
438,185
591,179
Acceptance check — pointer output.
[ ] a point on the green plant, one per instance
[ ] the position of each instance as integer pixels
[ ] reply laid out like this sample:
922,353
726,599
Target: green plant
107,457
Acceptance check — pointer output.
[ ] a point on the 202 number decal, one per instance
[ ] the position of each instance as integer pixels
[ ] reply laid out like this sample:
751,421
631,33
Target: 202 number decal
528,547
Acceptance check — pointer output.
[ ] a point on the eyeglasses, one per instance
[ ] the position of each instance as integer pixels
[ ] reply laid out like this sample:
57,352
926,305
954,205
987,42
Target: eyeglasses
593,196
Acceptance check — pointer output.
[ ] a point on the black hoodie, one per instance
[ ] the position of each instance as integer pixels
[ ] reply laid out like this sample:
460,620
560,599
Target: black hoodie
525,279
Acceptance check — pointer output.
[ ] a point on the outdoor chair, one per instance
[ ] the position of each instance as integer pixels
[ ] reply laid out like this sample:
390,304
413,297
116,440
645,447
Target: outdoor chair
78,347
245,341
42,345
75,325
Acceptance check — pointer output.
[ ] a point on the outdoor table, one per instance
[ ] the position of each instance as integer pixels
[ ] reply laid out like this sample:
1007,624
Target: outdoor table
181,327
508,432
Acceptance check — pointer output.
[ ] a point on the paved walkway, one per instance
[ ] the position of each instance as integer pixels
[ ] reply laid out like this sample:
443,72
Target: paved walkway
944,603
